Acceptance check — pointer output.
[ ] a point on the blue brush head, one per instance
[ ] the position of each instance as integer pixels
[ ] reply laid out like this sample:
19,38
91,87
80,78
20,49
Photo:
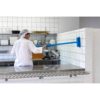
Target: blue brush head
78,40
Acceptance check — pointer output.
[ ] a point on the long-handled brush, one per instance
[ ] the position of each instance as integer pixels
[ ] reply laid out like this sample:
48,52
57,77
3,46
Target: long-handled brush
78,42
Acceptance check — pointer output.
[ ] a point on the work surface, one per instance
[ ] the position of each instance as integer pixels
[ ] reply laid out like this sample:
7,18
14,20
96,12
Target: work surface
12,60
42,71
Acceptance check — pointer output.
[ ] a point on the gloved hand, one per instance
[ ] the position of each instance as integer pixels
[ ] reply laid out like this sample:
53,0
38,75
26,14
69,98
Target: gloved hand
44,47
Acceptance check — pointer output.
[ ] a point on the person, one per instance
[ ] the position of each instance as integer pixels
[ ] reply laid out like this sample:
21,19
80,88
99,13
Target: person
23,49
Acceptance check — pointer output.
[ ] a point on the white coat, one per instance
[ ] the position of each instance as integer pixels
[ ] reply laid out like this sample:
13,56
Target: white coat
23,49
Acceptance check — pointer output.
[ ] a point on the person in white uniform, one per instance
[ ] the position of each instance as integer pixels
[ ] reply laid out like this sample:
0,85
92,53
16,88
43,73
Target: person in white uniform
23,49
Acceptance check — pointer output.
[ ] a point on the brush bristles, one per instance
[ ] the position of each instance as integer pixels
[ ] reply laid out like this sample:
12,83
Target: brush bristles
78,40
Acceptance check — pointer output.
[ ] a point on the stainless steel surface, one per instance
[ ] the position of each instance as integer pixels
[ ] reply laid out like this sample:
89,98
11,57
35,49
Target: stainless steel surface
39,42
45,71
55,54
12,60
43,40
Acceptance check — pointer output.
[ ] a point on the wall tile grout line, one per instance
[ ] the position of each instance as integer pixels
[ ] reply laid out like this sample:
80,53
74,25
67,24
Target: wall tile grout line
73,52
74,59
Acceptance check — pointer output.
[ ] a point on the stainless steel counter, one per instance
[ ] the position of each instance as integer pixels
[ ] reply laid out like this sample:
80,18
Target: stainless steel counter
12,60
43,71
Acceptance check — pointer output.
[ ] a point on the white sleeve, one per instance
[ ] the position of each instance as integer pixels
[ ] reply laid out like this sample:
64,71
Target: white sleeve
13,50
35,49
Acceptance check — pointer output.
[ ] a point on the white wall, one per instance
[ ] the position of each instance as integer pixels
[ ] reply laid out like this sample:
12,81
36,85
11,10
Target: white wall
30,23
70,53
52,24
68,24
88,56
96,56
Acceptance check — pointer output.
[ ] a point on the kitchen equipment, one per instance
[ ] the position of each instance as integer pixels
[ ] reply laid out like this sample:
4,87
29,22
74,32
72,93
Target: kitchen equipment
12,40
47,54
43,40
15,31
39,42
52,41
56,53
47,41
4,42
35,42
78,42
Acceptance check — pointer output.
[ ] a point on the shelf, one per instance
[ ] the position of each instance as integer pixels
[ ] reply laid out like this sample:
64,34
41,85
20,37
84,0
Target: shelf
44,34
12,45
9,34
40,32
6,45
7,60
12,60
30,34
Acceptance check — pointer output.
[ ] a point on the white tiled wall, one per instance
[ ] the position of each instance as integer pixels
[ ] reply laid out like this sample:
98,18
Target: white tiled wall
70,53
88,56
30,23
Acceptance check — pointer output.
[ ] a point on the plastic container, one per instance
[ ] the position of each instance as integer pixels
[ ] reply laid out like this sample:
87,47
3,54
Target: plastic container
4,42
52,41
15,31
